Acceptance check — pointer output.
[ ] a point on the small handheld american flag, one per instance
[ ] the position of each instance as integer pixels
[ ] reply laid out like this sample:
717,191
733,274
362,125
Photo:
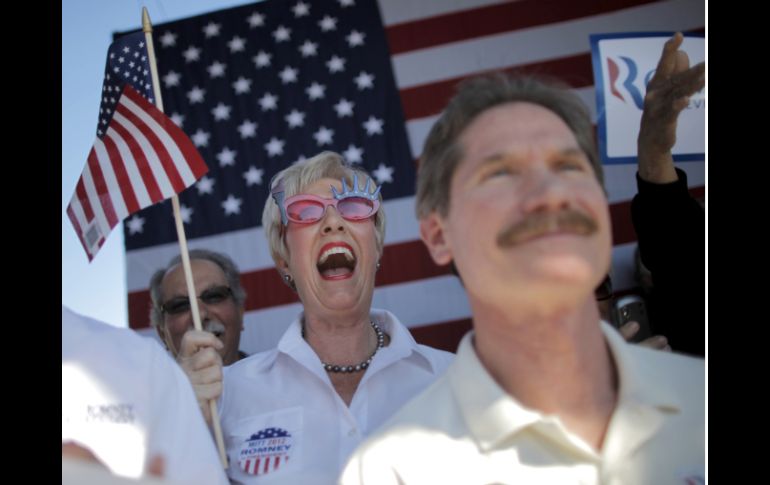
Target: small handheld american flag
140,157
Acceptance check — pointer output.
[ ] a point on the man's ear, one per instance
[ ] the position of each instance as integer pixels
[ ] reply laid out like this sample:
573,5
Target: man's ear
165,336
433,234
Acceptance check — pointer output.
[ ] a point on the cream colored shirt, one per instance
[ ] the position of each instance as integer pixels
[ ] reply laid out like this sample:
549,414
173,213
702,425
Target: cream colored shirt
466,429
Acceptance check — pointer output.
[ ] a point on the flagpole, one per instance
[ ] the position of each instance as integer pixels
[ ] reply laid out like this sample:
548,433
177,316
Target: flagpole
147,29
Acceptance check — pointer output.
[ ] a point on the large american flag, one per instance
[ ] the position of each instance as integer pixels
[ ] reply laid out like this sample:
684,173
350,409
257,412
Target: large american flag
260,86
139,156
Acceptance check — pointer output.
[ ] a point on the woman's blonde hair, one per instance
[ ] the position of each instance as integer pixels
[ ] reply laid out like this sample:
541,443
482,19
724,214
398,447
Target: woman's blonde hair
295,179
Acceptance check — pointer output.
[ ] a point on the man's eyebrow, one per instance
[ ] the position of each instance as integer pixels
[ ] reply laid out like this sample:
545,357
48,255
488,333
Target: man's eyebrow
496,157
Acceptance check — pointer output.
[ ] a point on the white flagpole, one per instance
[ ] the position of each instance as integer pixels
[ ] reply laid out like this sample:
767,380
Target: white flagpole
147,28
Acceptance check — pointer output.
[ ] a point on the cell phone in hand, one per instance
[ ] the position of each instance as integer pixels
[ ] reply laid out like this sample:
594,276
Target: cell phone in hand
632,308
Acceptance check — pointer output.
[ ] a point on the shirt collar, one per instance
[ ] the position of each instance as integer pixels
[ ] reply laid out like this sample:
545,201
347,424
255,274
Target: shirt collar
402,345
492,415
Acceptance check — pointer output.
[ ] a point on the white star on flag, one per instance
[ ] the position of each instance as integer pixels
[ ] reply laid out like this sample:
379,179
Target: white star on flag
192,54
232,205
171,79
347,3
135,224
262,59
177,119
316,91
295,118
353,154
288,75
185,213
301,9
268,102
168,39
344,108
221,112
211,29
226,157
247,129
282,34
328,23
196,95
308,49
217,69
364,80
373,125
242,85
274,147
253,176
355,38
205,185
383,174
336,64
236,44
201,138
256,20
323,136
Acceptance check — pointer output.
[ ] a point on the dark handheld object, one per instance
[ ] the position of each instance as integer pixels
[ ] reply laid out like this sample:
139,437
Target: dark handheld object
632,308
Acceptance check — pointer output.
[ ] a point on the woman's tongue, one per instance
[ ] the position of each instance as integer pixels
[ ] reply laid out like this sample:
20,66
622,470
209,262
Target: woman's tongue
336,266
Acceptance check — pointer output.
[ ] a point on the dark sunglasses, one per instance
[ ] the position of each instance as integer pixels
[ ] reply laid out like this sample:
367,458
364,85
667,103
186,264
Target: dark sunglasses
211,296
604,290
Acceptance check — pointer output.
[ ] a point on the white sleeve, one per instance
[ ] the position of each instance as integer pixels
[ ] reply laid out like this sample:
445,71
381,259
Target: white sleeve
179,432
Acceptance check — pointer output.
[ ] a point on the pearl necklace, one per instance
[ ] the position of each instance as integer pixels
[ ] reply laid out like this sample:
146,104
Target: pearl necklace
358,367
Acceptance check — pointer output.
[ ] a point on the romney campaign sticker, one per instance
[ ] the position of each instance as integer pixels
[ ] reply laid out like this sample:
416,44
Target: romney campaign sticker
266,451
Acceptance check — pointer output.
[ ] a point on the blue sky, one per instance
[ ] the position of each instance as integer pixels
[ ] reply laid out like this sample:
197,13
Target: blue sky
98,289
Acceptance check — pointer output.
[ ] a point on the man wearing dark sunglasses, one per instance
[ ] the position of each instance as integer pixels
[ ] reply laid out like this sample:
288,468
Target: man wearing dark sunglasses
220,301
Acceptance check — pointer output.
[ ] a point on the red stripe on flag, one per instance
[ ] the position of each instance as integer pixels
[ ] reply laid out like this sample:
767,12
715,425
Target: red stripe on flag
140,160
443,335
102,190
78,230
121,174
83,198
160,150
182,141
267,465
493,19
430,99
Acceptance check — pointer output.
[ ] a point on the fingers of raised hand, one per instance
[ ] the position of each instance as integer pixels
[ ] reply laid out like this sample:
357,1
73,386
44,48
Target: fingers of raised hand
629,329
193,340
657,342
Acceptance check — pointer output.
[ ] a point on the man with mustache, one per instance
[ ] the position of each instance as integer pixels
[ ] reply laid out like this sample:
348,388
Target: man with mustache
220,301
541,391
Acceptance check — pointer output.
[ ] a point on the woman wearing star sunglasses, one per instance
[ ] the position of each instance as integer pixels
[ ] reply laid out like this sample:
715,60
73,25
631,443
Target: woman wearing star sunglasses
294,414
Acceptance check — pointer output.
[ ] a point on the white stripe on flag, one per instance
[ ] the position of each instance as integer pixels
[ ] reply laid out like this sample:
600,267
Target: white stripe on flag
113,188
77,209
402,11
95,201
417,129
158,172
526,46
134,177
168,142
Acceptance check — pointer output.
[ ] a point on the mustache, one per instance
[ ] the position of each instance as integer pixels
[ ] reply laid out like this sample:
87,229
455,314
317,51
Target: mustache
537,224
215,327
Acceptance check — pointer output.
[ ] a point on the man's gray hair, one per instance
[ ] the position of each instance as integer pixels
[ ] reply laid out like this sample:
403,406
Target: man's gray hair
442,151
224,262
